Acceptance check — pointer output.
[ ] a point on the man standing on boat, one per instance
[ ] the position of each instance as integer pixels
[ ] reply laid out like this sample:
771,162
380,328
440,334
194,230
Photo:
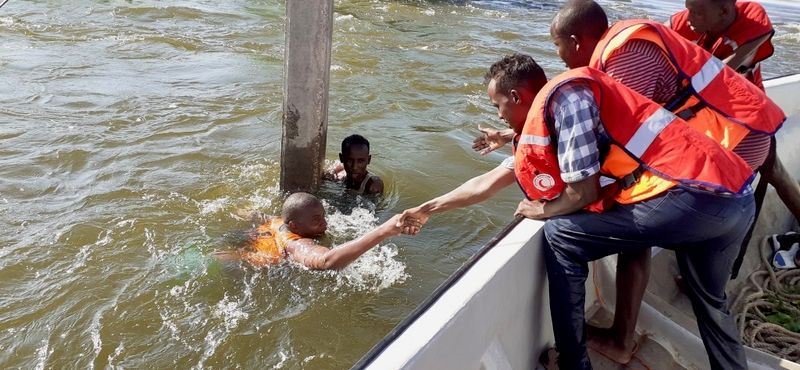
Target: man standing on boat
740,34
653,166
659,64
673,185
662,66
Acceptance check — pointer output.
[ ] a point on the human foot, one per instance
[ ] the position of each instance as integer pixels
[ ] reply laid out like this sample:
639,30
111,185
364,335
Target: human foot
605,341
549,359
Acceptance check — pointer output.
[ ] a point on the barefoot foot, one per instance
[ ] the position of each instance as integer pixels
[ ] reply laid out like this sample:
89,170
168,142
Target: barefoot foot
606,342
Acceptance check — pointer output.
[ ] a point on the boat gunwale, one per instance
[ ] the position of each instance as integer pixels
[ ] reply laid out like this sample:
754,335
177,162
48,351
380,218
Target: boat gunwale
423,307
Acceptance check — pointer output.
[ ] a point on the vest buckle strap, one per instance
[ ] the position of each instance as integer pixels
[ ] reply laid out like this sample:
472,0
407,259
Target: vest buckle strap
690,112
632,178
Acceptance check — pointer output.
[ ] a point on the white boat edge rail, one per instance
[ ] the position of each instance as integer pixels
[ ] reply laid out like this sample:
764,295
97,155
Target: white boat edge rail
493,313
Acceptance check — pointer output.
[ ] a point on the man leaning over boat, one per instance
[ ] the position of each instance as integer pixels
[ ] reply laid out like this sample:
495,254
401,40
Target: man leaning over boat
665,182
661,65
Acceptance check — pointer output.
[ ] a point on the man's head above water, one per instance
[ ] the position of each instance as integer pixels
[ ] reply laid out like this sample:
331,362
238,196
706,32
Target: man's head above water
304,214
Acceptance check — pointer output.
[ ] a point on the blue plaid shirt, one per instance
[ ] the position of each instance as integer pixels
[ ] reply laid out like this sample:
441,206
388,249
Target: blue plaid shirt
577,124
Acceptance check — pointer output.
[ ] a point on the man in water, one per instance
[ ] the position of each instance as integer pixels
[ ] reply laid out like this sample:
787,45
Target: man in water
352,167
292,237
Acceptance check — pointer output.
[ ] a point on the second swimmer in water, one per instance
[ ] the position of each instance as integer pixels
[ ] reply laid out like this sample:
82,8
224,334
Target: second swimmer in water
291,237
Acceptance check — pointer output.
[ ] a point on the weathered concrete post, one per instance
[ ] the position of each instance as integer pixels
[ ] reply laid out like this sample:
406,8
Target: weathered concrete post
309,32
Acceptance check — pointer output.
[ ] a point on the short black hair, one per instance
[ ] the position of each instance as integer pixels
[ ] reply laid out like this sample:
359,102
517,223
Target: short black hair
582,18
296,204
516,70
354,139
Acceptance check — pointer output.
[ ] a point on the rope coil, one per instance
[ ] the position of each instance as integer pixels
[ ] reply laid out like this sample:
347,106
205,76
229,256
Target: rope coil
770,291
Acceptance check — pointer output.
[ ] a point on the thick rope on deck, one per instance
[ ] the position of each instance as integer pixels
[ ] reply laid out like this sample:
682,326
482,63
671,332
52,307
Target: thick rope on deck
771,292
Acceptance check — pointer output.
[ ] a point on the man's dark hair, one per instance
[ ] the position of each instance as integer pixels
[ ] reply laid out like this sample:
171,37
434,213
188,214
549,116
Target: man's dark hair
354,139
516,70
581,17
296,204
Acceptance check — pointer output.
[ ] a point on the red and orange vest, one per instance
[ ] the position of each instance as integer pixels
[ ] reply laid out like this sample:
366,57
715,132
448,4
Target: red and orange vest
715,99
643,135
268,245
751,23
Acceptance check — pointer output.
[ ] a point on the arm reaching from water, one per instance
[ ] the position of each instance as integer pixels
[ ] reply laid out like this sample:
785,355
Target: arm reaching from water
473,191
317,257
334,172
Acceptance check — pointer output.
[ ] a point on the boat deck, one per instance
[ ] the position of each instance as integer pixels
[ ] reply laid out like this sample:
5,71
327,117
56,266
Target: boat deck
649,355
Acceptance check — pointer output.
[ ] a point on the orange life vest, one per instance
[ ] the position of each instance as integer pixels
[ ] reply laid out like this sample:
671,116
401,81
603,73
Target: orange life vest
647,143
713,97
268,245
751,23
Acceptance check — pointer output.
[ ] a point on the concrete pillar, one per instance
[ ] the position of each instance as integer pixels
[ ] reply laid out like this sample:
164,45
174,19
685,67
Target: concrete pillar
309,32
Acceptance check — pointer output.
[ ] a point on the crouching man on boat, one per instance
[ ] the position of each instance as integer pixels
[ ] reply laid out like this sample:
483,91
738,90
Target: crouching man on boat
665,183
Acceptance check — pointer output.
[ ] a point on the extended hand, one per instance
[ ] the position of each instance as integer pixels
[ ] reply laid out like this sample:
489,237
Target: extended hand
399,224
531,209
490,140
412,220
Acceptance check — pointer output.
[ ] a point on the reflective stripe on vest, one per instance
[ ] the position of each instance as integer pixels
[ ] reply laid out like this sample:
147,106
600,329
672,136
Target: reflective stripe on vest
534,140
724,104
648,131
646,139
708,73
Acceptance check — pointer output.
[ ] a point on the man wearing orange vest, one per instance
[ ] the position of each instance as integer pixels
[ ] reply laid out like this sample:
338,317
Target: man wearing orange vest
634,53
292,237
676,185
712,97
740,34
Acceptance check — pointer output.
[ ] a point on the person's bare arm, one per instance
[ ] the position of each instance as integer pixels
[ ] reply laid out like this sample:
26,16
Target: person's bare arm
491,139
473,191
743,55
375,186
334,172
574,197
253,216
317,257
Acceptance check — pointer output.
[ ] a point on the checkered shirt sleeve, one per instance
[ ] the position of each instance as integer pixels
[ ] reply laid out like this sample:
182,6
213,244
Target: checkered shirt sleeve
577,123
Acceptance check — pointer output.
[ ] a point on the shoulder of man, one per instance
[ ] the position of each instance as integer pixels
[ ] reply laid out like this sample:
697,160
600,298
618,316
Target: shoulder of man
374,184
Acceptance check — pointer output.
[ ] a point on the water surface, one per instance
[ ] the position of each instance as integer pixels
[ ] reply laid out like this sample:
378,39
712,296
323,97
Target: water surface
132,129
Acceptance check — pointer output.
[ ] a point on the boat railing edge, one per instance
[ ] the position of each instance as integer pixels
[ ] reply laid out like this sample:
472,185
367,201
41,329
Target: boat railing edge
433,297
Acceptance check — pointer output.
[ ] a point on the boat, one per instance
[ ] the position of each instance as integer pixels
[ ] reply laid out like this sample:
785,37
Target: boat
493,312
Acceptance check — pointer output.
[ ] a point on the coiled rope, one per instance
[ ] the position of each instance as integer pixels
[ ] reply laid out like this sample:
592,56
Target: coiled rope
770,291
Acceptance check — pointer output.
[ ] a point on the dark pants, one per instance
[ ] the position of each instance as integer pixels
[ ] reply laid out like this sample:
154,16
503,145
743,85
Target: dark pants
704,229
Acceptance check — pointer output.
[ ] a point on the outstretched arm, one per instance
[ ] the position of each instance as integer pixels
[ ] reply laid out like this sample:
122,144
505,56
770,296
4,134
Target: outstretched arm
491,139
317,257
473,191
